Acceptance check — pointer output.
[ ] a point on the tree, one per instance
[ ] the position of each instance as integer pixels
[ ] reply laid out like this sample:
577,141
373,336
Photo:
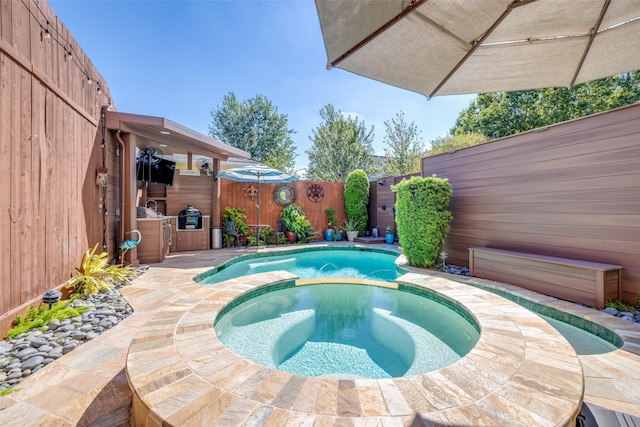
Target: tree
455,142
340,145
403,147
506,113
256,127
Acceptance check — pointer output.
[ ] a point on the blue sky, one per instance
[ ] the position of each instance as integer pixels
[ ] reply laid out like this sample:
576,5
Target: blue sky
177,59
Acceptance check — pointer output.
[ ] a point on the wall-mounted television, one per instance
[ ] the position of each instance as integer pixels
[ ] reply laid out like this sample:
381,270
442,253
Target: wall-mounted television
160,171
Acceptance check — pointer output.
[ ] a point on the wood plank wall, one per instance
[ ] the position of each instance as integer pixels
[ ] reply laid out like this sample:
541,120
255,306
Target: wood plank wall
232,194
186,190
381,203
49,151
570,190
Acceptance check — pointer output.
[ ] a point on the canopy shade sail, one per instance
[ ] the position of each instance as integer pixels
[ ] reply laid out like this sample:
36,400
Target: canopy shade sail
446,47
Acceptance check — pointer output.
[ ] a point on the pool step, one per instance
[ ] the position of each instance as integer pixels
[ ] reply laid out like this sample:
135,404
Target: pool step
369,240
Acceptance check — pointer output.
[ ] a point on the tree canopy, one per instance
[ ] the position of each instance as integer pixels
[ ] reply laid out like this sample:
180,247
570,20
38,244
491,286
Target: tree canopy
501,114
403,147
340,145
255,126
453,142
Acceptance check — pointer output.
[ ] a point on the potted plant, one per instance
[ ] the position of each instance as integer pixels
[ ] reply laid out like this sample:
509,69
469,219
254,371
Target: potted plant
297,226
329,233
351,227
289,215
389,236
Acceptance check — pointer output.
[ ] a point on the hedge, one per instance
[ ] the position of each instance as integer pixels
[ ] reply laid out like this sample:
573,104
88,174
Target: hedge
356,199
423,219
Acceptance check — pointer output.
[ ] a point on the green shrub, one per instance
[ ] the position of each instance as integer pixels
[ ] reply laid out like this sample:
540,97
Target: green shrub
331,215
268,235
37,318
252,241
296,222
238,216
95,274
422,218
620,306
289,215
356,198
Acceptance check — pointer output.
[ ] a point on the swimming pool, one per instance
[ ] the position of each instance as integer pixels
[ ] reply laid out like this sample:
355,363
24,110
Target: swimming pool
347,330
311,263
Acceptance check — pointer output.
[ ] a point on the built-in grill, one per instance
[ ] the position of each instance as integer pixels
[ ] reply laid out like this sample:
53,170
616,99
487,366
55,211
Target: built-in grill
189,219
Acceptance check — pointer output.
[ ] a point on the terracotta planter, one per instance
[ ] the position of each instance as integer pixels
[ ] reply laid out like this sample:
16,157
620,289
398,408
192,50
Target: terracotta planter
291,237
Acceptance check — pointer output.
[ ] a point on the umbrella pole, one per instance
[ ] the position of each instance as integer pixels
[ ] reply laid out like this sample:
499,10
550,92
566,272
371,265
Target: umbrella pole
258,217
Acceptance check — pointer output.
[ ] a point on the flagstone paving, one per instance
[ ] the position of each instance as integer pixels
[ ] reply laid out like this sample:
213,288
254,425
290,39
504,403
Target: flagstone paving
182,375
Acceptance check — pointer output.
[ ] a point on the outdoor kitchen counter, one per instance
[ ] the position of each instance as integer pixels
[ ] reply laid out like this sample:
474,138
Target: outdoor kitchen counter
156,239
190,239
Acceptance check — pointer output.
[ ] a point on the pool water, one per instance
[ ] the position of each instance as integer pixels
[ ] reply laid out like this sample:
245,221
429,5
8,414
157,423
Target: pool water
346,331
583,342
344,263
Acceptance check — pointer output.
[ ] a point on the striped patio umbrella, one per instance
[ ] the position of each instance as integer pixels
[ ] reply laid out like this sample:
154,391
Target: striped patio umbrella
256,173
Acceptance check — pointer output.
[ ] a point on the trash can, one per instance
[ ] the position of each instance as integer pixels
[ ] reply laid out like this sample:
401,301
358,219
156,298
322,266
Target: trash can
216,237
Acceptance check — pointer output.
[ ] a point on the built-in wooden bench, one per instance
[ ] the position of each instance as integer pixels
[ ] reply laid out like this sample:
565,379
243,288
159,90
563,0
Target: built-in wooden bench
586,282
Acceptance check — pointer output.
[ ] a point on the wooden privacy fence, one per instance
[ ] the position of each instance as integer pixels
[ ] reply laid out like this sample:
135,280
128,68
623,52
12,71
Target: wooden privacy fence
312,196
50,206
571,190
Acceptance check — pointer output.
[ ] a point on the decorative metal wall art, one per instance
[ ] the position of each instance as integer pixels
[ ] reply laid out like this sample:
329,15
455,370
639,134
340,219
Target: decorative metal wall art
284,194
315,193
250,190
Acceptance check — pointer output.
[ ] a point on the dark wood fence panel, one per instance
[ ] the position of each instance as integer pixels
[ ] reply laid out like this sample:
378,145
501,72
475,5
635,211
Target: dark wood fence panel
572,190
235,195
50,147
382,202
194,190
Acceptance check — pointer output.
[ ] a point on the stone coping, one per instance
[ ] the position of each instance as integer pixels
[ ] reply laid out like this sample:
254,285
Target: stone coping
521,372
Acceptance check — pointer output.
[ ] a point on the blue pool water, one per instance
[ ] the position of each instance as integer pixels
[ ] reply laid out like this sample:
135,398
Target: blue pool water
583,342
313,264
346,330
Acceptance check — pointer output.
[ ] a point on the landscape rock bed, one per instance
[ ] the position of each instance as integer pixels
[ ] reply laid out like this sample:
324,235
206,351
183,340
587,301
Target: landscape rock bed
26,353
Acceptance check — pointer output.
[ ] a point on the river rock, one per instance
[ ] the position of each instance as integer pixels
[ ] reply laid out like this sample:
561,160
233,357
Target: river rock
39,342
22,354
53,324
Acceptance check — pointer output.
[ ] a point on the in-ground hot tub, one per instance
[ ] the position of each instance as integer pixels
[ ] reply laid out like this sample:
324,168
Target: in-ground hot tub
520,372
343,330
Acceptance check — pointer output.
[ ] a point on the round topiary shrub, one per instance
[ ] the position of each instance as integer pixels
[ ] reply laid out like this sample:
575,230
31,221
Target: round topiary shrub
356,199
423,219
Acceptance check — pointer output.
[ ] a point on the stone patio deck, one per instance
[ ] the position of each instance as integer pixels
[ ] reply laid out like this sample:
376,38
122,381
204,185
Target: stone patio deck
89,387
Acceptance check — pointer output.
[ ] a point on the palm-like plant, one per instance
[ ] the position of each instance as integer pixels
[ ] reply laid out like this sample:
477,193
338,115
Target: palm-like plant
95,274
350,225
